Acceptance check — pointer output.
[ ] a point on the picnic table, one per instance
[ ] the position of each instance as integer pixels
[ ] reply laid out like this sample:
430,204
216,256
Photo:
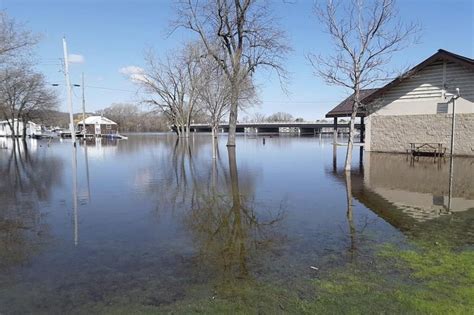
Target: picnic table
435,149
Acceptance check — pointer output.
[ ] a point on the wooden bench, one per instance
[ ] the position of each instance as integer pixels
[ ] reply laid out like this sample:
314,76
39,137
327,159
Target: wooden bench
427,149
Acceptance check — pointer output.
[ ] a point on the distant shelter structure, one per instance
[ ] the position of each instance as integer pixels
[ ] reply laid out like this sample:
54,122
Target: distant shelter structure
97,126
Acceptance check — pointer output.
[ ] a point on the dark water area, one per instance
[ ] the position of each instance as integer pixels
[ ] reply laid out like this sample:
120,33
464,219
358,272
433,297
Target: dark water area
153,221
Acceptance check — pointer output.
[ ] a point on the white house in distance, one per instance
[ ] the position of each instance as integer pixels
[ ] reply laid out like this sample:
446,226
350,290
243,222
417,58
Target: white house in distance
413,108
98,126
32,129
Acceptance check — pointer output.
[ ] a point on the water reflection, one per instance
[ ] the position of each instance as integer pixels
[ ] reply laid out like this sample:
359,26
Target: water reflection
74,195
228,231
26,181
159,221
350,215
418,195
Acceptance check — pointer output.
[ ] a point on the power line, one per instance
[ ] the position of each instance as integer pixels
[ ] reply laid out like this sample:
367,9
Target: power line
263,101
107,88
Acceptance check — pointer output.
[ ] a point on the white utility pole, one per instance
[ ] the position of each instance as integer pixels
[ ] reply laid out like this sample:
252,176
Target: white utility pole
453,121
83,109
69,92
451,164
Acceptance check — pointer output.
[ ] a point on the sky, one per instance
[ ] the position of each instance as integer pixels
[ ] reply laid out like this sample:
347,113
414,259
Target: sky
106,37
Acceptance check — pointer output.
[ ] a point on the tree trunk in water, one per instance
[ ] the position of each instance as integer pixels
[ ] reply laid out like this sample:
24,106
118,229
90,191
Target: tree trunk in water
12,127
350,143
24,131
17,132
214,142
233,117
178,130
234,177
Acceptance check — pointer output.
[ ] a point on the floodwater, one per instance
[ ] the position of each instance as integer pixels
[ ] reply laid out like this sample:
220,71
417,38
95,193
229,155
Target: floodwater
154,221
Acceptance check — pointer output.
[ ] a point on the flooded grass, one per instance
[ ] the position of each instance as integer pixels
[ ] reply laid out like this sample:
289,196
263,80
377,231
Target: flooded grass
431,279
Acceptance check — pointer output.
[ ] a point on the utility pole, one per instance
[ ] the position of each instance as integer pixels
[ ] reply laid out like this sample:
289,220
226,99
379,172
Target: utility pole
69,92
83,109
453,120
451,164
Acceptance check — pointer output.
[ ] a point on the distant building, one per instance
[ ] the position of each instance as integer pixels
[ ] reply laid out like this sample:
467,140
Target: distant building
98,126
413,108
32,129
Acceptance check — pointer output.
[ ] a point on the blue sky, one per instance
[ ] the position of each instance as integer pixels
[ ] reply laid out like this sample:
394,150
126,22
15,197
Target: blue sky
111,35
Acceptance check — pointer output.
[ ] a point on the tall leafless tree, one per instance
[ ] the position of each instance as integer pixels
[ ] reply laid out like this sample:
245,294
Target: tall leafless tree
215,94
241,36
365,34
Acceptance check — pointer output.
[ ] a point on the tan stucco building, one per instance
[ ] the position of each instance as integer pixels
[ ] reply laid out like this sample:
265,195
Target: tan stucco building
413,108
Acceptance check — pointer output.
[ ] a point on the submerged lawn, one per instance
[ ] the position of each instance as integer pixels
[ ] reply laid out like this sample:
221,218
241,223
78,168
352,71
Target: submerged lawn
425,279
428,279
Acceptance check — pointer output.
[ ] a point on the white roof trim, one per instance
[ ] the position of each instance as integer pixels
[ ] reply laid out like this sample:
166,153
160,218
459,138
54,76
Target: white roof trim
94,120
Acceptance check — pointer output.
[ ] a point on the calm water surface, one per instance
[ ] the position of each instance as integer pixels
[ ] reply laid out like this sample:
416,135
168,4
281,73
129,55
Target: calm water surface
157,221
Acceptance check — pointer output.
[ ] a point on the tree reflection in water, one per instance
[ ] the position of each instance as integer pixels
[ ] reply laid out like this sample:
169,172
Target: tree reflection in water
26,181
349,214
226,227
355,230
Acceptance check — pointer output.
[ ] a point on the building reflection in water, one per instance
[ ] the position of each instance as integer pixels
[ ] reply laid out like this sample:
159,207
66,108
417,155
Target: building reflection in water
418,197
421,189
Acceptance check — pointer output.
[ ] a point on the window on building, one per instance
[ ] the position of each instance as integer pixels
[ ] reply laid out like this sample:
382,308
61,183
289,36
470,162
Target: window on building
108,126
442,108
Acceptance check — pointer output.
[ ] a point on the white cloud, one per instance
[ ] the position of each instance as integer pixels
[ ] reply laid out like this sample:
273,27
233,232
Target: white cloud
129,70
75,58
134,73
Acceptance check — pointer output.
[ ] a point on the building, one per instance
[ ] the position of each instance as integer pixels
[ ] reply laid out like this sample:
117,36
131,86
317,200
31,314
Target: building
32,129
98,126
413,108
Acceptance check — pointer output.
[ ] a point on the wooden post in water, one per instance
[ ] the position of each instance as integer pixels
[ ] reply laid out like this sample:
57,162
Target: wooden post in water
362,130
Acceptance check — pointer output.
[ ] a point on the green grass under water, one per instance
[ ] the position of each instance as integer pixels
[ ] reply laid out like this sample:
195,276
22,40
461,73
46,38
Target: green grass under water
427,279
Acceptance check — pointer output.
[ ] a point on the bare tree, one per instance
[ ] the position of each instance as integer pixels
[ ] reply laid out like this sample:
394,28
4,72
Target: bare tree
24,95
172,86
365,35
215,94
241,36
13,38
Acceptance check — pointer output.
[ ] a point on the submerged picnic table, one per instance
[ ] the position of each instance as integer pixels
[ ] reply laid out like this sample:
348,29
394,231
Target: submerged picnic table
427,149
